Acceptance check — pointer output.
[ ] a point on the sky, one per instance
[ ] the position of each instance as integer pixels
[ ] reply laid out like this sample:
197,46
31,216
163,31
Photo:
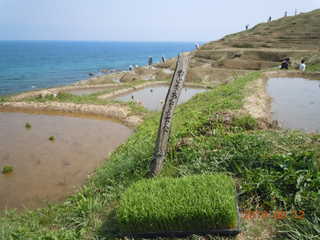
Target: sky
137,20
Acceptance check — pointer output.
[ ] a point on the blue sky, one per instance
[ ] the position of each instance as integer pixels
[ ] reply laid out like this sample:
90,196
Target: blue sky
137,20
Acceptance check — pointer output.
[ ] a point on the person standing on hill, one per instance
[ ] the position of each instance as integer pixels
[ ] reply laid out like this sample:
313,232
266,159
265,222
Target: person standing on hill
302,66
270,19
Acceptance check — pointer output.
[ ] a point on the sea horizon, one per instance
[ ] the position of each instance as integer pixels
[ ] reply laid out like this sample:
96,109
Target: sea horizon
27,65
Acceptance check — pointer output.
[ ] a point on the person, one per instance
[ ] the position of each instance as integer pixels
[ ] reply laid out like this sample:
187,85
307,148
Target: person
163,59
302,66
150,61
269,20
285,14
285,63
247,27
197,45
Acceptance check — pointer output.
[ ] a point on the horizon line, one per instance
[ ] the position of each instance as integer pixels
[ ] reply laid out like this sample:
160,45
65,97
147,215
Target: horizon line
124,41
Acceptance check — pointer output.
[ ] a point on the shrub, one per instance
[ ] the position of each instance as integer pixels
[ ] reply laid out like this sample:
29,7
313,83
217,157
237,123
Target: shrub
192,203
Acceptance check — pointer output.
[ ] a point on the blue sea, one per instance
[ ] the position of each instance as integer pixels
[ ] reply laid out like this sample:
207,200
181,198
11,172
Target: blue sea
29,65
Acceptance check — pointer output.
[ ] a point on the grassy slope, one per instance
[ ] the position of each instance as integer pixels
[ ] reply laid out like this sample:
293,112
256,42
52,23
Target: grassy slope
237,148
266,44
296,32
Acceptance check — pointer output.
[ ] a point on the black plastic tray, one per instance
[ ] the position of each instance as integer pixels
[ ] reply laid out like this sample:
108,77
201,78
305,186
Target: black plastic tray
180,234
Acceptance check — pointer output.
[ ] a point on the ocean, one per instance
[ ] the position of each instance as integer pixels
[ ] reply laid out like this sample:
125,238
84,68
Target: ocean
30,65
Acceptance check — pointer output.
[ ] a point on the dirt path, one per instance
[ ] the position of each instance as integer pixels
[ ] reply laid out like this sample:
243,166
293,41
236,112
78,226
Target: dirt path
61,89
112,111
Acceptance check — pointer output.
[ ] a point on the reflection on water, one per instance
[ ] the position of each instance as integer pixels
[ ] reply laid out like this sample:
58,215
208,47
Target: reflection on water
51,170
153,98
296,103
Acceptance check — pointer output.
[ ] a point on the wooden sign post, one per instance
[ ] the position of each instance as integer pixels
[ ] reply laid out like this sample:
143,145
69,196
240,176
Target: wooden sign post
167,113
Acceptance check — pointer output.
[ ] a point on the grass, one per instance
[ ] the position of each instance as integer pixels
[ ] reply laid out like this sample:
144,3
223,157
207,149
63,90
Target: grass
243,45
3,99
52,138
273,169
7,169
301,229
313,68
192,203
27,125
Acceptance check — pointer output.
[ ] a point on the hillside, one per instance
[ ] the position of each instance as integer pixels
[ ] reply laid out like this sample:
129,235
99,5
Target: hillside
262,47
265,45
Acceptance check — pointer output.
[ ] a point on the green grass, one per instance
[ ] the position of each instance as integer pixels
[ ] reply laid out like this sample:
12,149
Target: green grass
3,99
28,126
273,169
52,138
313,68
68,97
192,203
7,169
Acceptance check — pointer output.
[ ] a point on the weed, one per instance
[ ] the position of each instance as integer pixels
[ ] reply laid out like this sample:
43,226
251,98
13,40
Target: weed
27,125
246,122
52,138
7,169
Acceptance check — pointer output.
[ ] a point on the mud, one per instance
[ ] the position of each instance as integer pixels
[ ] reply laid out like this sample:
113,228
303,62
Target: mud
48,171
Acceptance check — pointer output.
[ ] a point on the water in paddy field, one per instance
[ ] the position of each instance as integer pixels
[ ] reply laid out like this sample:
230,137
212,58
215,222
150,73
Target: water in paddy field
48,171
29,65
153,98
296,103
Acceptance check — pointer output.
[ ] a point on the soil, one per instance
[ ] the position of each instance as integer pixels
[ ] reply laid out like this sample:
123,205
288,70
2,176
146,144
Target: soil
112,111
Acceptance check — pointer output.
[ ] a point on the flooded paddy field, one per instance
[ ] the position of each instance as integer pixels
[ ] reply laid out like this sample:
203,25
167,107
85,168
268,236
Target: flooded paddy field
51,155
295,103
153,97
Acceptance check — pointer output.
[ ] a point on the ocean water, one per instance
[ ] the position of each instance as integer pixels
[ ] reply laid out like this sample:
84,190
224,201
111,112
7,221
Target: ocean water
29,65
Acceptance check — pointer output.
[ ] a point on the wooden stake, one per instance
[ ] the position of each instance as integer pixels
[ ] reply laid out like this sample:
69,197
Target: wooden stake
167,113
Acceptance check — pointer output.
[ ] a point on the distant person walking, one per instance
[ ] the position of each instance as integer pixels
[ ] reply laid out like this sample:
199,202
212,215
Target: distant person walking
269,19
197,45
163,59
150,61
302,66
247,27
